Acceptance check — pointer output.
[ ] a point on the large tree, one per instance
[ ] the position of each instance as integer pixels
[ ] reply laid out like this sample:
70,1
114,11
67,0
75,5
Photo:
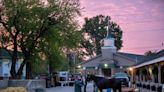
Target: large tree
94,30
38,29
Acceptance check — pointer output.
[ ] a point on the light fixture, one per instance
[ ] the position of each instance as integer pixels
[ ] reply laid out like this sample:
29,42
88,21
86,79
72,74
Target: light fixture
150,70
79,66
130,69
105,65
84,68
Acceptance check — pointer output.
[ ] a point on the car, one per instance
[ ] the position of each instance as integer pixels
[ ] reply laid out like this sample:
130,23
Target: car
123,77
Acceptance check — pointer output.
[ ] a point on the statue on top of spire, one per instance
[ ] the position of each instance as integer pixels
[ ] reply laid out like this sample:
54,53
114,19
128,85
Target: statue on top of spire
109,30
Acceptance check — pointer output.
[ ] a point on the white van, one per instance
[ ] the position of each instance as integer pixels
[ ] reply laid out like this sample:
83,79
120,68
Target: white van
63,75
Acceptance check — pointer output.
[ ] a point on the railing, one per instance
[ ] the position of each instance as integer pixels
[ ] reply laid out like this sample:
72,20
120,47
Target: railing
149,87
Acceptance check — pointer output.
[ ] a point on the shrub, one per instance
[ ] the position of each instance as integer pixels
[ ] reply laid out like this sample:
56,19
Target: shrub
14,89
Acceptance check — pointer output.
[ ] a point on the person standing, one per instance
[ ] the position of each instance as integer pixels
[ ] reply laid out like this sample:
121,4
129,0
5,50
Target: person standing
85,83
78,84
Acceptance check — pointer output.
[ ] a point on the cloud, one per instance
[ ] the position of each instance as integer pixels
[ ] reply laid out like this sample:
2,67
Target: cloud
136,15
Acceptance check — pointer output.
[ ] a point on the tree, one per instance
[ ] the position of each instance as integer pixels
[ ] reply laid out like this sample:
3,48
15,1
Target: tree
36,27
94,30
150,53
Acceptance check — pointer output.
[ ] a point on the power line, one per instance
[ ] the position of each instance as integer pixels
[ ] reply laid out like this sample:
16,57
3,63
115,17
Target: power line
147,47
144,30
136,22
123,14
142,49
154,49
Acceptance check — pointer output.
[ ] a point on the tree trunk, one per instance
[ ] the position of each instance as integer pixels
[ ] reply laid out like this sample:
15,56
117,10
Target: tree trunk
25,62
14,59
20,70
12,70
28,70
50,67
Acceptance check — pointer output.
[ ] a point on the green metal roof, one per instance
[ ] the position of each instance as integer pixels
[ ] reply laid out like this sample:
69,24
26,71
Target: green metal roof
5,54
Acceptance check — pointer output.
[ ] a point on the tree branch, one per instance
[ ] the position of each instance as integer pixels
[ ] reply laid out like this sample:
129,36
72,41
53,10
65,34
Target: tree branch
5,25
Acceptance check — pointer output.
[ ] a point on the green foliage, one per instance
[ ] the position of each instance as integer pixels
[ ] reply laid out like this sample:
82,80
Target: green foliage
41,29
150,53
96,29
39,67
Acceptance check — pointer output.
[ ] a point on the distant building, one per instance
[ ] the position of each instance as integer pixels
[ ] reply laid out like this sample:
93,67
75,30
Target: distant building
5,63
110,61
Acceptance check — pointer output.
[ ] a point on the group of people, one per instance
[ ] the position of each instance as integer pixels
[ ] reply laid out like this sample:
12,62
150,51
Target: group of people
79,83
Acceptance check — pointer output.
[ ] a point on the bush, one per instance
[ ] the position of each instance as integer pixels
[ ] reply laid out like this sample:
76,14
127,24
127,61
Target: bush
14,89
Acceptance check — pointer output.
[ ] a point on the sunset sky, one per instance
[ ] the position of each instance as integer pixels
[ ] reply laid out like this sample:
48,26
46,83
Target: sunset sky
142,21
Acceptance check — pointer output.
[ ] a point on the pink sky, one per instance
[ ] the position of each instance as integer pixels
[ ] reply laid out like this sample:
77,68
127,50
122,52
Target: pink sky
142,21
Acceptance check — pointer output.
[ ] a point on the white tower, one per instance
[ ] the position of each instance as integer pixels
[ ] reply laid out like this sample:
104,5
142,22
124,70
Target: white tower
109,48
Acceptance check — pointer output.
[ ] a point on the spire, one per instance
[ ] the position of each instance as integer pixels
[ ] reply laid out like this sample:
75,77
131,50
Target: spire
109,40
109,30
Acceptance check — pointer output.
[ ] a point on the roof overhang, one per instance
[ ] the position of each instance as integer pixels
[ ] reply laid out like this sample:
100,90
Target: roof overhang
157,60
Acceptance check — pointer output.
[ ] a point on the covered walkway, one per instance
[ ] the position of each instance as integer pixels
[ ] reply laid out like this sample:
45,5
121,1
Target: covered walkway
149,75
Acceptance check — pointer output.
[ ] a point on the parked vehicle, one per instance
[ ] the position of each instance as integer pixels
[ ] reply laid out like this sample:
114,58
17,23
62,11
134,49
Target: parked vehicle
63,75
123,77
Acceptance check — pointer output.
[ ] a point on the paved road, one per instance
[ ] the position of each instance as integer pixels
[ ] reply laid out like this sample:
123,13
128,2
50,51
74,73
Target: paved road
60,89
68,89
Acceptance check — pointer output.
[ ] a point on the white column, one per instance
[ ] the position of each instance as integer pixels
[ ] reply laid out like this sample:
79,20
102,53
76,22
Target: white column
140,75
132,74
100,71
159,73
153,80
151,74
